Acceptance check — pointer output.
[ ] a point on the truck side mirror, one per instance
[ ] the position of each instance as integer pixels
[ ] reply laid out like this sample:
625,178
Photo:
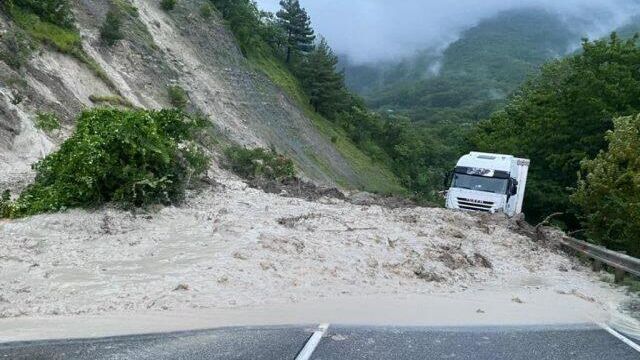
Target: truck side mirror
513,189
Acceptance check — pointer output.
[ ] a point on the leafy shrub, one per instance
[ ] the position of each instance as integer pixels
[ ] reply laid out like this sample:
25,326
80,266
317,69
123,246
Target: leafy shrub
133,158
609,189
177,96
206,11
16,49
5,204
65,40
57,12
259,163
168,5
47,122
111,31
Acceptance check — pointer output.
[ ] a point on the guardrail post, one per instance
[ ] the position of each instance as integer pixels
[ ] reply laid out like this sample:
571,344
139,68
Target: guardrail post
619,276
596,265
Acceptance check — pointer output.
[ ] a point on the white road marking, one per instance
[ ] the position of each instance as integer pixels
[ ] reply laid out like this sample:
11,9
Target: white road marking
310,346
620,337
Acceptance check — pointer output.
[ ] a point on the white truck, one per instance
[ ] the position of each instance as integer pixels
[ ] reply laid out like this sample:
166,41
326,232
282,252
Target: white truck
489,183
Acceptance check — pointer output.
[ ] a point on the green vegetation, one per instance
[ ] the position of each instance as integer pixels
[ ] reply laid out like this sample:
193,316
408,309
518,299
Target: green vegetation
177,96
111,31
60,34
111,100
65,40
296,29
47,122
560,118
56,12
608,192
259,164
133,158
168,5
472,77
15,48
206,11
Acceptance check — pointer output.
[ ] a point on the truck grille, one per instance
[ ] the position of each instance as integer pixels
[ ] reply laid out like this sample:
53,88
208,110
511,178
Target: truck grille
476,205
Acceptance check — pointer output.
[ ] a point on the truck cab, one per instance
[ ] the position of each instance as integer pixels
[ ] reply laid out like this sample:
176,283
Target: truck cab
488,183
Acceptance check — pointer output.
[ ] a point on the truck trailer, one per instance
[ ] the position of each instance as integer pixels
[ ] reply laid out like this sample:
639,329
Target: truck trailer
488,183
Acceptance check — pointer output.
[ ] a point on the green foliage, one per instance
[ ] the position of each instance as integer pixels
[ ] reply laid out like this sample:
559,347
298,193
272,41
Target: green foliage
111,31
560,118
133,158
206,11
259,164
66,40
15,48
244,20
322,82
608,192
168,5
177,96
474,75
56,12
47,122
296,25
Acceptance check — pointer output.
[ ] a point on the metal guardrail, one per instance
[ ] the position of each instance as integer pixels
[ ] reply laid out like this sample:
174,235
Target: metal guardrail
620,262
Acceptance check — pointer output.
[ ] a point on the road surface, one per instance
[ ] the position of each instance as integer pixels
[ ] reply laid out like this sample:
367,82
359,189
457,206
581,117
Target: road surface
341,342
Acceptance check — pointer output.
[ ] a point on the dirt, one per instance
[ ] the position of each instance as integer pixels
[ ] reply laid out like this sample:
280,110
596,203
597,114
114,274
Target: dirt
232,246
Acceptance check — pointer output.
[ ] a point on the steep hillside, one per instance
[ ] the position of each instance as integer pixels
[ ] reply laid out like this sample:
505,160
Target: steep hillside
473,74
160,48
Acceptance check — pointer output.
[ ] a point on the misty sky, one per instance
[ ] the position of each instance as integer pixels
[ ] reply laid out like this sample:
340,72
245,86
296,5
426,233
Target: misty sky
369,30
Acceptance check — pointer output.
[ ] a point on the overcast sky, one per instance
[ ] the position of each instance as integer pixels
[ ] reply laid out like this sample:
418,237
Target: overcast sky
383,29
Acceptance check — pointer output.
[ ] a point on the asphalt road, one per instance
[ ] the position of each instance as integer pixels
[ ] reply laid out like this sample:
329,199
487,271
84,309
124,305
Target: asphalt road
512,343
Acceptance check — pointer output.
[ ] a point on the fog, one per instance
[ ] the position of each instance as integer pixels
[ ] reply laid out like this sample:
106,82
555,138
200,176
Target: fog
373,30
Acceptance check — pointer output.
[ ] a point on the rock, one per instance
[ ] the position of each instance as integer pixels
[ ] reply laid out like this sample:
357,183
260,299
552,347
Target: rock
182,287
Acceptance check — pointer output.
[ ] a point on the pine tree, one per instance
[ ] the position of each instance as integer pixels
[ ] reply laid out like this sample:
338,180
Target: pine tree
323,83
297,25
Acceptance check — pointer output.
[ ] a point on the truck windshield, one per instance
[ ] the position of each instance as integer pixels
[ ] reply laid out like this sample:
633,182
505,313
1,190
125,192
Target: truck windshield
480,183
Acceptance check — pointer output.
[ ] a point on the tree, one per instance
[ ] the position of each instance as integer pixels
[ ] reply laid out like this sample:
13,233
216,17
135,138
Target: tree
608,191
168,5
297,26
322,82
560,117
243,18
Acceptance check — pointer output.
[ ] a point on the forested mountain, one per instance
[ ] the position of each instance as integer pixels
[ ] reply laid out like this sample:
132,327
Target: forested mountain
472,76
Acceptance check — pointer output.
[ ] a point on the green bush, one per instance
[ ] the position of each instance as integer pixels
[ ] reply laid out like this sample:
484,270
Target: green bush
57,12
132,158
206,11
608,191
111,31
259,163
168,5
16,49
177,96
47,122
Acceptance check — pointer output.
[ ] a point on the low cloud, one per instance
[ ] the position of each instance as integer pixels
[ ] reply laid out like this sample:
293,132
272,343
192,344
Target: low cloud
373,30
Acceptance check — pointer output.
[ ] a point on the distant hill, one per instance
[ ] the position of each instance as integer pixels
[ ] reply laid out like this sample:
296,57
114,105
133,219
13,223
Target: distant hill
473,76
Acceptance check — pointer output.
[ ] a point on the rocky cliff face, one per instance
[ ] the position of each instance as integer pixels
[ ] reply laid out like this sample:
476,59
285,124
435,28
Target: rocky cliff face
160,49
